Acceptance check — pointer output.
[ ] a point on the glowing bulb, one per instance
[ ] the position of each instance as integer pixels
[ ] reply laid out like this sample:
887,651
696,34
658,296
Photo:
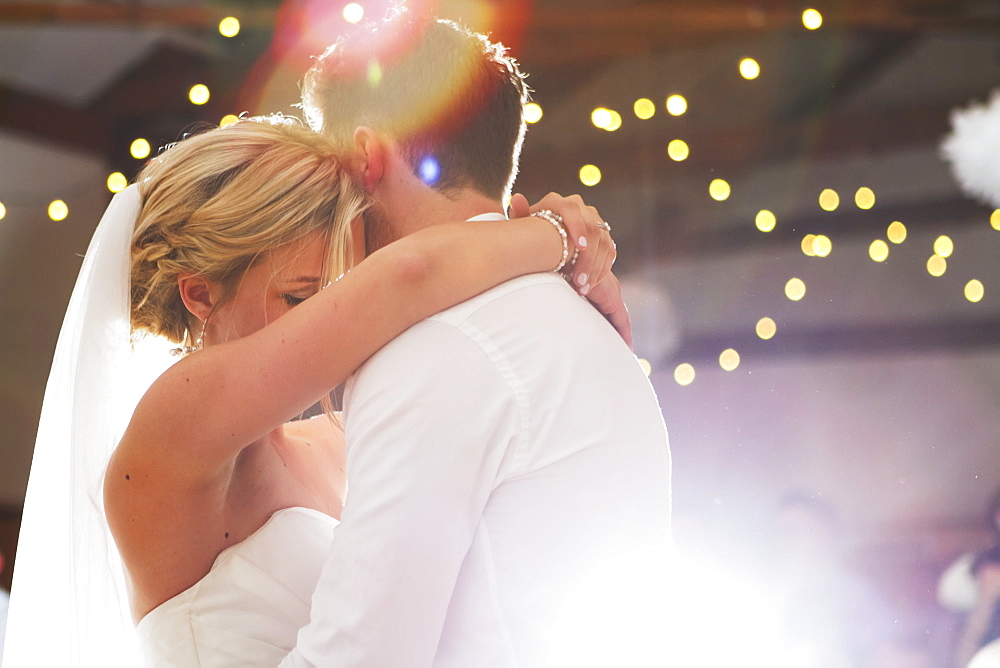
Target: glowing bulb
749,69
601,118
353,12
896,232
995,220
829,200
766,328
677,105
229,119
729,359
590,175
878,250
199,94
812,19
646,367
58,210
944,246
117,182
532,112
974,291
864,198
765,220
229,26
616,121
822,246
684,374
937,265
140,149
3,211
644,108
678,150
807,245
795,289
719,190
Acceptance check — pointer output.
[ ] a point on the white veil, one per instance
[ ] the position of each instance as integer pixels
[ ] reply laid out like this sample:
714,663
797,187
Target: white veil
68,603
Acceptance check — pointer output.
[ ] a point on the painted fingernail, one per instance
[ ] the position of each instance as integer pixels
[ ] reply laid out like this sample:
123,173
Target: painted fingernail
585,289
582,242
582,279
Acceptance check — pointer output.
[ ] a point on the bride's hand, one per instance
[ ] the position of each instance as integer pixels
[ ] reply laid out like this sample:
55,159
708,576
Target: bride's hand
597,254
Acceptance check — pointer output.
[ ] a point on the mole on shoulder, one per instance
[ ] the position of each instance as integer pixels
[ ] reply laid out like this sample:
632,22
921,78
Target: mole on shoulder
128,477
227,534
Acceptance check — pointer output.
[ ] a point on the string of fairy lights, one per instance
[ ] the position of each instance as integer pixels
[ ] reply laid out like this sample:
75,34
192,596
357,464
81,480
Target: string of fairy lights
813,245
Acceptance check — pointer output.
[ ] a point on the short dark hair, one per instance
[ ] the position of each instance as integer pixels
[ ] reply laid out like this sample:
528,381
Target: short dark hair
452,100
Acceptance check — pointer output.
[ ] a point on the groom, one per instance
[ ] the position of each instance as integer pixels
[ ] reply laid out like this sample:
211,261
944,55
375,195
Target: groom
504,456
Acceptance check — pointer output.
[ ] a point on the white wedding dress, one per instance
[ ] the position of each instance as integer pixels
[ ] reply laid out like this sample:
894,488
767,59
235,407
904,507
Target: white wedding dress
249,608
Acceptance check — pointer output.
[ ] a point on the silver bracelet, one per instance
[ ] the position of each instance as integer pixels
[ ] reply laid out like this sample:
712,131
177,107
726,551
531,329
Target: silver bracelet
557,222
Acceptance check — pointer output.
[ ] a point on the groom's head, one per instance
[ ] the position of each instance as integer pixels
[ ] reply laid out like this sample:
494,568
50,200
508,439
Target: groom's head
448,101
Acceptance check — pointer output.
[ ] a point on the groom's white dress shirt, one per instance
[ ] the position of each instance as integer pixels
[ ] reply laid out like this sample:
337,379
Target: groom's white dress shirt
501,455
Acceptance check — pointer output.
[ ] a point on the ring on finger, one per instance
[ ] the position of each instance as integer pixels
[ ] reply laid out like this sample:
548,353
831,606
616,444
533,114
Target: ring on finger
604,226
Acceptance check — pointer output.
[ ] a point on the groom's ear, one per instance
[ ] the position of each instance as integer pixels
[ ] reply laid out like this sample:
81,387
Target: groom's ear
369,157
199,295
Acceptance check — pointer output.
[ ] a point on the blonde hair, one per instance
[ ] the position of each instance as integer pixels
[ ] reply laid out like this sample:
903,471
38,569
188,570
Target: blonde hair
216,202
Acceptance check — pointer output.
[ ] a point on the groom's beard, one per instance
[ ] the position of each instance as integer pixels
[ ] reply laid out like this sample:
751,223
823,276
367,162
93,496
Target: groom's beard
378,230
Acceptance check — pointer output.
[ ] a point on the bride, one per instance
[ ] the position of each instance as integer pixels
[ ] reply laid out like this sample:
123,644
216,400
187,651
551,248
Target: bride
221,509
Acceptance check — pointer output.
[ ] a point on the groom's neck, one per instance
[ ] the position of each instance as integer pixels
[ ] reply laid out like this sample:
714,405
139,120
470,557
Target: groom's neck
429,207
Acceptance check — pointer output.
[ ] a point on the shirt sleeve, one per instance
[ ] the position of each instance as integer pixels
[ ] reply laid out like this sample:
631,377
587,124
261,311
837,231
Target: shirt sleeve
430,422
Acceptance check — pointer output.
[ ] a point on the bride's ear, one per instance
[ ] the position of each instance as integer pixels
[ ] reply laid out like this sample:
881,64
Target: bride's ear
198,295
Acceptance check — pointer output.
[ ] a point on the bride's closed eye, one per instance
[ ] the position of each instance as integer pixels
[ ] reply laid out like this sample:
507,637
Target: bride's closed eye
295,300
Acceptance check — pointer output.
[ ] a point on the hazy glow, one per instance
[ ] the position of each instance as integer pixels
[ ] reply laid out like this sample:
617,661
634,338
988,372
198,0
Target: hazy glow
822,245
749,69
590,175
765,220
995,220
944,246
807,245
353,12
719,190
795,289
117,182
878,250
937,265
430,170
199,94
864,198
228,119
644,108
229,26
532,112
812,19
766,328
974,290
829,200
677,105
678,150
616,121
729,359
58,210
3,211
601,117
374,73
646,367
684,374
140,149
896,232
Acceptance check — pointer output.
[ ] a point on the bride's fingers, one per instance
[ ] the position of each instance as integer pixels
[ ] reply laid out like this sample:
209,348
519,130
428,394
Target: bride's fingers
519,207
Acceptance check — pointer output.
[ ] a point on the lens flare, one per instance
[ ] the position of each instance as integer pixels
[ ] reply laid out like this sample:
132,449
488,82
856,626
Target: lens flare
430,170
532,112
353,12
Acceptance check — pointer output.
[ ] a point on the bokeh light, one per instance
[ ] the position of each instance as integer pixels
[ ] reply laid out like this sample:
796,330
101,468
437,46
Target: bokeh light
729,359
117,182
644,108
140,149
974,290
766,328
749,69
199,94
795,289
812,19
678,150
766,220
615,122
353,12
684,374
822,245
896,232
229,119
677,105
995,220
532,112
719,190
807,245
646,367
3,211
944,246
229,26
878,250
58,210
601,117
829,200
936,265
864,198
430,170
590,175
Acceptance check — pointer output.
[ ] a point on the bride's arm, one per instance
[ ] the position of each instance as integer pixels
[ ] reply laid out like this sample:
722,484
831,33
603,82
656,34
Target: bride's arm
198,415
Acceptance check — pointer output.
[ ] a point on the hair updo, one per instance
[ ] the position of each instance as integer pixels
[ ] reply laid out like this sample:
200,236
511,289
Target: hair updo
216,202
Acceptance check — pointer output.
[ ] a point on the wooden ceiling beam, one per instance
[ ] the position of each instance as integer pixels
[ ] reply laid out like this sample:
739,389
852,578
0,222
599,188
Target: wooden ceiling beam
49,121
